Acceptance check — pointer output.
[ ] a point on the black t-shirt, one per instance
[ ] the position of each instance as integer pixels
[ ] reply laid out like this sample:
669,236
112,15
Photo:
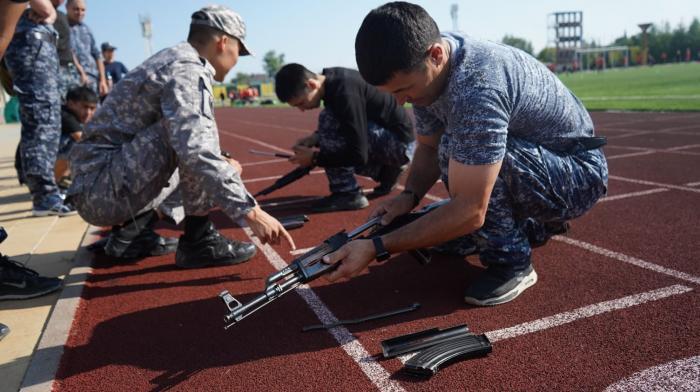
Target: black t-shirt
65,55
353,102
69,123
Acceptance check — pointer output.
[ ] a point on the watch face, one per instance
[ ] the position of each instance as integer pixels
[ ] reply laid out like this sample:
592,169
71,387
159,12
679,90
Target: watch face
381,253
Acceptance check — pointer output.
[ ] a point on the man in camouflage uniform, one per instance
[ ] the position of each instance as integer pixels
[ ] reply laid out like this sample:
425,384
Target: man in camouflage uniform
513,145
154,141
90,64
360,131
32,61
68,73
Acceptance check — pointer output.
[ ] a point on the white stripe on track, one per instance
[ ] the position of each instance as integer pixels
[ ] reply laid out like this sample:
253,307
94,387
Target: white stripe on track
644,182
629,259
375,372
255,141
586,312
579,314
693,183
632,194
263,162
300,251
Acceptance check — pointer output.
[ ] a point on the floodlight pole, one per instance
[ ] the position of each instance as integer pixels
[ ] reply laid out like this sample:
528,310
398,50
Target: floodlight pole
146,32
645,42
453,13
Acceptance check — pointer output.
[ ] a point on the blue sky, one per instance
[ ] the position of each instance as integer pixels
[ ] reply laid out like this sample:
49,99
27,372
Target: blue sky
322,33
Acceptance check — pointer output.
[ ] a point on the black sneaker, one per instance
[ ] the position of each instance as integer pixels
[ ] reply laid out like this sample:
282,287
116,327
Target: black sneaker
388,179
340,202
147,243
20,282
4,330
499,284
212,250
538,234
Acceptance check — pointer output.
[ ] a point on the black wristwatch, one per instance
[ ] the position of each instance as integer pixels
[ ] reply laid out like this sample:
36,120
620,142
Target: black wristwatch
379,249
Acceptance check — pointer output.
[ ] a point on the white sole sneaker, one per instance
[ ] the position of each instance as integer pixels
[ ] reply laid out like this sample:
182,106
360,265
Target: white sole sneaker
526,282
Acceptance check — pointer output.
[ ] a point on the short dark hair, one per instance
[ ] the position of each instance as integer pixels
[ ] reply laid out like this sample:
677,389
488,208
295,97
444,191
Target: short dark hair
393,38
290,81
81,94
201,34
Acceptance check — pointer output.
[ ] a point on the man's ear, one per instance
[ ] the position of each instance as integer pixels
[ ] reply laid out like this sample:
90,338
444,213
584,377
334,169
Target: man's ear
221,43
436,54
313,84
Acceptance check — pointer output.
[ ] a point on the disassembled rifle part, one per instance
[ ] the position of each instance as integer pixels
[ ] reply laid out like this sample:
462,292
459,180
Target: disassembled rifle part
269,153
429,361
376,316
417,341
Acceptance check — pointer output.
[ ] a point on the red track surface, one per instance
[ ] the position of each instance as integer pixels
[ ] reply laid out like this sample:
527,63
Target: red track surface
150,326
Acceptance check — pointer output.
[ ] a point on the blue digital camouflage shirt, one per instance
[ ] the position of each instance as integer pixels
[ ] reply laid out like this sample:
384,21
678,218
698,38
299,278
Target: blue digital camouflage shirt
494,92
83,43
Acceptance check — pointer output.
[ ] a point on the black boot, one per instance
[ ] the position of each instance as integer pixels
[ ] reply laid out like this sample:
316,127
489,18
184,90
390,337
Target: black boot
212,249
136,239
388,178
340,201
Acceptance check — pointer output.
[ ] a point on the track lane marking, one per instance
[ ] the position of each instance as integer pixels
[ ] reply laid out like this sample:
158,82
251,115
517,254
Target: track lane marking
259,179
374,371
657,184
629,259
263,162
255,141
581,313
632,194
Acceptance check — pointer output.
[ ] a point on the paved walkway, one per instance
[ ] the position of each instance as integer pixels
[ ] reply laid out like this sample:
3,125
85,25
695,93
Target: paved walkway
47,245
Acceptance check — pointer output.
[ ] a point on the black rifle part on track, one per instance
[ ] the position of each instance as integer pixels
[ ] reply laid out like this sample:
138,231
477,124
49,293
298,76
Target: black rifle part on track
285,180
419,340
376,316
310,266
429,361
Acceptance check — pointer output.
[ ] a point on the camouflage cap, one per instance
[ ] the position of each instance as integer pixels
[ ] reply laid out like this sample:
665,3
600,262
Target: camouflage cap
224,19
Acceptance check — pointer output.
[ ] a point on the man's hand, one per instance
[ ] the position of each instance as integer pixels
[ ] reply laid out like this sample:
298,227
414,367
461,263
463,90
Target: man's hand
42,12
236,165
267,228
353,257
390,209
303,156
308,141
83,78
103,87
77,135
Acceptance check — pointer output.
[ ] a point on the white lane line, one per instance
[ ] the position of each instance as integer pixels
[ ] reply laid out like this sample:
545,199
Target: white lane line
259,179
255,141
632,194
264,162
374,371
693,183
300,130
678,375
630,154
629,259
586,312
578,314
686,147
658,184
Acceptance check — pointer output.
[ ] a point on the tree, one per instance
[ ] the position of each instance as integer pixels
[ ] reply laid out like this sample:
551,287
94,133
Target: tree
547,55
273,62
519,43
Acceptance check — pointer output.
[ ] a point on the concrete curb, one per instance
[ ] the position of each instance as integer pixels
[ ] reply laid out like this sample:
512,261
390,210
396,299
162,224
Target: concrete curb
41,373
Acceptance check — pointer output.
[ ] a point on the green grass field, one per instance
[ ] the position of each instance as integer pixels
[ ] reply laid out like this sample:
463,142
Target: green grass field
671,87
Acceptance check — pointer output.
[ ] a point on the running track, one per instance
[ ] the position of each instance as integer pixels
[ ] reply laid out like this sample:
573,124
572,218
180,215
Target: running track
616,305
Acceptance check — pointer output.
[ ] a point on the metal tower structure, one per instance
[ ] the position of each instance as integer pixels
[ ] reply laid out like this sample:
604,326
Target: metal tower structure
453,13
566,32
645,42
147,33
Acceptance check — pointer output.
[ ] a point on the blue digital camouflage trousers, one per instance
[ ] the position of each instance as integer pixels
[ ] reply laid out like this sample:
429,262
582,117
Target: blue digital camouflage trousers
68,79
536,185
385,149
140,175
33,64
